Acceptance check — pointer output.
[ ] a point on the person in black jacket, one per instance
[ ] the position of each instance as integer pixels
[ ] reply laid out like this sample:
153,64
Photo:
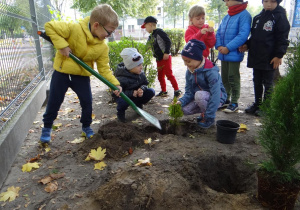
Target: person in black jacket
133,81
161,45
266,46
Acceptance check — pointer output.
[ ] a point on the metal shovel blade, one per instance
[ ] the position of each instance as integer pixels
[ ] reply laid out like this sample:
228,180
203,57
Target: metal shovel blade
149,117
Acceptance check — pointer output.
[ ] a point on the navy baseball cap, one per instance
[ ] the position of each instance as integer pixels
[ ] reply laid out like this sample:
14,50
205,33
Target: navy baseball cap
149,19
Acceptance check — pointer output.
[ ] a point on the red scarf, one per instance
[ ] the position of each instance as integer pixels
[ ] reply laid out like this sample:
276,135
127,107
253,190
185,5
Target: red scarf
233,10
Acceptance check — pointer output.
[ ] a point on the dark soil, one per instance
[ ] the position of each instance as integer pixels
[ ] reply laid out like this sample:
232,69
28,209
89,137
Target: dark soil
190,168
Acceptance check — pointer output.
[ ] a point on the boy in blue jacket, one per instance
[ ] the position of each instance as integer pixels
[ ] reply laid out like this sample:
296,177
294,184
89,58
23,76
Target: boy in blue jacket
267,45
204,90
232,33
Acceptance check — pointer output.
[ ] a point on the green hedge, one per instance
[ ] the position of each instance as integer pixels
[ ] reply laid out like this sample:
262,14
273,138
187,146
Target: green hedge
115,48
177,39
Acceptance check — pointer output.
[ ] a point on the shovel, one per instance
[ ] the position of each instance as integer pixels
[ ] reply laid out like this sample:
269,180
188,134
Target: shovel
141,112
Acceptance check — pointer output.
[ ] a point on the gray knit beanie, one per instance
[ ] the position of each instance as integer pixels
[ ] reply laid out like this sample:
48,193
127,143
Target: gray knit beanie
131,58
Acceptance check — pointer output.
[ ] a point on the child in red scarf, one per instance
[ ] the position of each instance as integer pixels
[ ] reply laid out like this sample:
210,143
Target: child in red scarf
199,30
232,33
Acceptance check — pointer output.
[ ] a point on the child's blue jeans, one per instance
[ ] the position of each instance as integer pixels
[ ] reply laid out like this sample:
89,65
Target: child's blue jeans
58,87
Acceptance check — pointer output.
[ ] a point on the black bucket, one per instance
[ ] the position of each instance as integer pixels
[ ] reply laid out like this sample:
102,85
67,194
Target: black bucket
226,131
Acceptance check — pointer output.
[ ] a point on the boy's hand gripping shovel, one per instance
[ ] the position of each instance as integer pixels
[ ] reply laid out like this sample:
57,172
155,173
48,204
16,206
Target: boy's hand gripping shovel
141,112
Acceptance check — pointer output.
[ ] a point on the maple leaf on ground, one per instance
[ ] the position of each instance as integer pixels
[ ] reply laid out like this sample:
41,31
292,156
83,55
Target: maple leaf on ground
243,128
144,162
51,187
96,122
77,141
51,177
148,141
99,166
98,154
10,194
56,126
29,166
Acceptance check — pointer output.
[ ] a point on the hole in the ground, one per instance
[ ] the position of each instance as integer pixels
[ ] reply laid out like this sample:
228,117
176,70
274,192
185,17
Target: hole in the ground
224,174
227,174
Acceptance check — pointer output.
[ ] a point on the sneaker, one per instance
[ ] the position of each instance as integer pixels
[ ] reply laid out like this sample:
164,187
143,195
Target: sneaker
177,93
226,104
87,132
252,109
231,108
206,123
46,135
200,118
162,94
121,117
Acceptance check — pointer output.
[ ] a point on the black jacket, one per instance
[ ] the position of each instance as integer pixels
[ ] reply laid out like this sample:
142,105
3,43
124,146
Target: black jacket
160,43
269,38
130,82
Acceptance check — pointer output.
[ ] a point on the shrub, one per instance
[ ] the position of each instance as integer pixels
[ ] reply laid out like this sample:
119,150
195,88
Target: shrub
175,112
115,48
280,131
177,38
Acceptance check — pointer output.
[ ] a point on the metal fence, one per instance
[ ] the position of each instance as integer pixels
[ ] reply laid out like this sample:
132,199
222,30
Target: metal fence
25,59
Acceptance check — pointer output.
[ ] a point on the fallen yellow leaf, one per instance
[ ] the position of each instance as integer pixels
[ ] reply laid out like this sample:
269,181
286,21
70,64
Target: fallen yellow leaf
56,126
144,162
10,194
243,128
96,122
93,116
148,141
98,154
29,166
99,166
47,149
77,141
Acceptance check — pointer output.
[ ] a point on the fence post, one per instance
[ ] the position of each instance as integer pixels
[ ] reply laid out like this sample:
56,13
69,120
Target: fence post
37,38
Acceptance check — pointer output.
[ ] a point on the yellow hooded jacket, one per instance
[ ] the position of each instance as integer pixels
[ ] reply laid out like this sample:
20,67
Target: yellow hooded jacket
83,44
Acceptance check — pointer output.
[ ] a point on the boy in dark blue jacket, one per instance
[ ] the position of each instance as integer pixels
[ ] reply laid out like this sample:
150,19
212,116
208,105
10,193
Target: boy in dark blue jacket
133,81
232,33
267,45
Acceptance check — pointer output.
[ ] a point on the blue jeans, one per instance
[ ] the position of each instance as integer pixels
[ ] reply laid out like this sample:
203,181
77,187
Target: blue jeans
58,87
123,105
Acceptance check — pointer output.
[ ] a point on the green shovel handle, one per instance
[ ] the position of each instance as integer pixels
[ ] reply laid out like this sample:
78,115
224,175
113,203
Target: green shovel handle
105,81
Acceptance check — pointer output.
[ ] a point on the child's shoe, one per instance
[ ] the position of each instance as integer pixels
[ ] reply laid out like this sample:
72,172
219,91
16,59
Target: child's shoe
46,135
177,93
200,118
226,104
232,108
87,132
121,117
162,94
252,109
206,123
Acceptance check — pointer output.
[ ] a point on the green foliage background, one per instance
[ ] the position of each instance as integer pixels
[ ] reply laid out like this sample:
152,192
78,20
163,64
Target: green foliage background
116,47
177,39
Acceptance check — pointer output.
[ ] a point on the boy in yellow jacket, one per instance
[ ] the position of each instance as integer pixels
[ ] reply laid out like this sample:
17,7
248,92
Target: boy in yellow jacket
85,40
